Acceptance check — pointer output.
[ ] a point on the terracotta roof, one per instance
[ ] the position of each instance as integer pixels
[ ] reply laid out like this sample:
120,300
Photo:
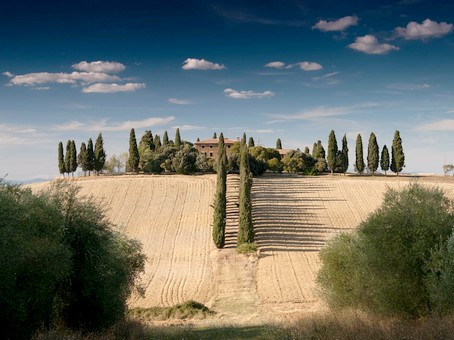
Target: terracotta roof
216,141
283,152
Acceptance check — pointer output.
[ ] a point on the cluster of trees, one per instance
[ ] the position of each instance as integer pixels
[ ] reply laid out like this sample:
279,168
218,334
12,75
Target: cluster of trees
399,262
337,160
61,263
88,159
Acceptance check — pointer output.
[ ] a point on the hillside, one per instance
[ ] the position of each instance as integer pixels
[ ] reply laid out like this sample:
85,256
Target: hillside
293,217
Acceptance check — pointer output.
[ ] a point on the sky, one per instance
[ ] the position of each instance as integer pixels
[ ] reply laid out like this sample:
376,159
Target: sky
293,70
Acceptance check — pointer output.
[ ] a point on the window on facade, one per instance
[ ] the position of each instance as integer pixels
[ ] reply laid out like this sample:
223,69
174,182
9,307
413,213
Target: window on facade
211,146
211,154
203,146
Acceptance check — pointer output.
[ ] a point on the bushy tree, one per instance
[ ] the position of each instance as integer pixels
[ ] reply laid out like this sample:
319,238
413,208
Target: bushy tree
397,154
61,159
372,154
203,163
90,157
318,151
100,154
61,263
399,261
133,161
332,151
359,164
184,161
220,201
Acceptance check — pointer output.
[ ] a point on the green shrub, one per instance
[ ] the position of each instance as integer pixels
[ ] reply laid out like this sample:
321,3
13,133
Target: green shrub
387,265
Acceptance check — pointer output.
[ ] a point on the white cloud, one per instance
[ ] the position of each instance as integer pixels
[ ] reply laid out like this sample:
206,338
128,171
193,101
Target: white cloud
276,64
336,25
309,66
179,101
99,66
328,75
112,88
201,64
8,74
189,127
439,125
31,79
426,30
103,125
247,94
409,87
370,45
41,88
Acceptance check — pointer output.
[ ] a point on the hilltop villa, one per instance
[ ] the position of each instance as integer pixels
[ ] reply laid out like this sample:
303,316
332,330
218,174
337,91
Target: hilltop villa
209,147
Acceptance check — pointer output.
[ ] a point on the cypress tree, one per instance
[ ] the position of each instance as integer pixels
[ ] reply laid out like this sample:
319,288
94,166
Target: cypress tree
165,138
251,142
306,151
82,158
68,157
372,154
344,154
61,159
215,136
100,154
220,203
145,147
177,138
90,157
157,142
384,159
73,158
243,139
359,155
245,227
133,160
278,144
397,154
332,151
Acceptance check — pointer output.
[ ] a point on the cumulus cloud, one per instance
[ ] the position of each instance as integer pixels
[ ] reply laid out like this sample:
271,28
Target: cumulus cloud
370,45
276,64
31,79
201,64
426,30
336,25
247,94
179,101
439,125
309,66
112,88
103,125
99,66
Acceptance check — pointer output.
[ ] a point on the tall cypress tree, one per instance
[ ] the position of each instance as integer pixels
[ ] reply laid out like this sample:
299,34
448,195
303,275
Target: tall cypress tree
61,159
397,154
215,136
177,138
133,160
251,142
157,142
359,155
332,151
73,158
82,158
245,227
100,154
372,154
145,148
344,154
220,203
165,138
278,144
384,159
90,157
243,139
68,157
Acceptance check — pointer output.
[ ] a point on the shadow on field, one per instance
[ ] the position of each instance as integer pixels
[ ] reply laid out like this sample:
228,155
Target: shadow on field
286,214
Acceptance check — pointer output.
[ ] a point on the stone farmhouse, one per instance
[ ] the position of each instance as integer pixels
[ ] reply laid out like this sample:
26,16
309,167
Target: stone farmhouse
209,147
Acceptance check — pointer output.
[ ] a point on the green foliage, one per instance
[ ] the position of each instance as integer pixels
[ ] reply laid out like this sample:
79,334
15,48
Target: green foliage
318,151
359,164
204,164
145,148
345,160
278,144
215,136
184,161
245,227
372,154
134,158
61,159
399,262
165,138
68,155
187,310
61,263
397,154
177,138
274,165
220,201
90,156
296,161
332,151
251,142
100,154
82,158
157,142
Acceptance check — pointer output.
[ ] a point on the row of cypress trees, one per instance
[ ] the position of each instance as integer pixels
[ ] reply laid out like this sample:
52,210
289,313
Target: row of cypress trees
88,159
337,160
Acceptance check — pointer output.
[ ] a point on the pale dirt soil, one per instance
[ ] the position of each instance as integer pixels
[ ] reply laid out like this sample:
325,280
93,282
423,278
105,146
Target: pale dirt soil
294,216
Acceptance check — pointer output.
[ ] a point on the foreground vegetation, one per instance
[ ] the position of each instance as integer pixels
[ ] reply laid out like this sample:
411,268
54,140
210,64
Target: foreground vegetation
61,263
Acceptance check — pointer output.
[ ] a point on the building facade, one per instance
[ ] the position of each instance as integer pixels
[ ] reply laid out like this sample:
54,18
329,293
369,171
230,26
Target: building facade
210,147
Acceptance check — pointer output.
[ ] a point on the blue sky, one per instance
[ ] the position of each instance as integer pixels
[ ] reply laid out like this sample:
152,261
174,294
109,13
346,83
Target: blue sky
293,70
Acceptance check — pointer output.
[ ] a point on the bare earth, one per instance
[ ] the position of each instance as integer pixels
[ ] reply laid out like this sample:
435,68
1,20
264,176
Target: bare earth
294,216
